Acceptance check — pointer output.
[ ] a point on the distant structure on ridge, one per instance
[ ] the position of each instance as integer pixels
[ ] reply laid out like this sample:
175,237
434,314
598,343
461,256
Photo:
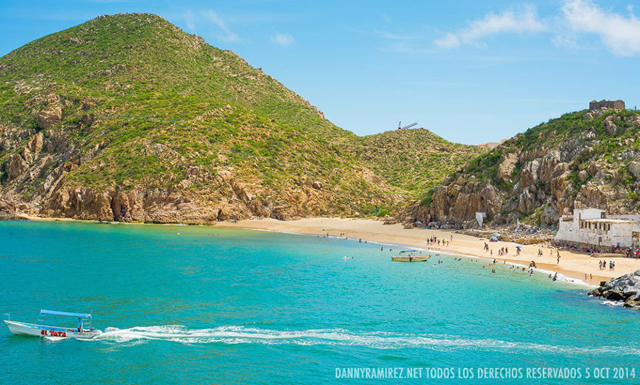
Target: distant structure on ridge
406,127
608,104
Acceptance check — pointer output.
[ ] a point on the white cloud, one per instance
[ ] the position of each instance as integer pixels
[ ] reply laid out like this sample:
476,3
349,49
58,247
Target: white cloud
523,20
225,33
283,39
619,33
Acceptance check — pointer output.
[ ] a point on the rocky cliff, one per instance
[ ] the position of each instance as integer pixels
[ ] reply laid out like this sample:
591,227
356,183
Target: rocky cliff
582,159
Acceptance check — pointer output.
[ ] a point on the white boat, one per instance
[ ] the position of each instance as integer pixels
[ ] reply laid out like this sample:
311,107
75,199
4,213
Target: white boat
17,327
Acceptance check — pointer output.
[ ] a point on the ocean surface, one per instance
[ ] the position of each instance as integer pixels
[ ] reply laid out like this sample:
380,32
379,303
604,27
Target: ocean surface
193,305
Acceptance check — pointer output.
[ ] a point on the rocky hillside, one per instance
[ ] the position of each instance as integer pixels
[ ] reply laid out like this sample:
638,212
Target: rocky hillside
129,118
582,159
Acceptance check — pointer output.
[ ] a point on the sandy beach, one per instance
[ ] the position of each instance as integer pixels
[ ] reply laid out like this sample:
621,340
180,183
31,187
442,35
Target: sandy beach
572,265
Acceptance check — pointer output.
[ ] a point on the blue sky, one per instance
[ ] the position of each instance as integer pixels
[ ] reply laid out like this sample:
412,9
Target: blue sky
469,71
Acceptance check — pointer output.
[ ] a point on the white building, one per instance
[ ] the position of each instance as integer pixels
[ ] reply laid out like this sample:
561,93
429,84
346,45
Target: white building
593,227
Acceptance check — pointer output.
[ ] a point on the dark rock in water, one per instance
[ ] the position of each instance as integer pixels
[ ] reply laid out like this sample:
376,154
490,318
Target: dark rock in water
613,295
632,304
625,288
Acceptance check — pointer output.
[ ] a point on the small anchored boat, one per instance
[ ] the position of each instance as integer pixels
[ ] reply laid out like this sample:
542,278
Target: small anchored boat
410,258
17,327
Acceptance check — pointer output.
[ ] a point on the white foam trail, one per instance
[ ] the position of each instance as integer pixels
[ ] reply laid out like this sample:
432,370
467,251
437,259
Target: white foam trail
376,340
613,303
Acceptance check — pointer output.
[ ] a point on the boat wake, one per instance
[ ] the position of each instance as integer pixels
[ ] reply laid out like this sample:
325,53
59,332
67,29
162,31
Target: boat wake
376,340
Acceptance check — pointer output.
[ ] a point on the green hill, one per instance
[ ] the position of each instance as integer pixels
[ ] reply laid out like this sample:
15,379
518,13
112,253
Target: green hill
127,117
413,160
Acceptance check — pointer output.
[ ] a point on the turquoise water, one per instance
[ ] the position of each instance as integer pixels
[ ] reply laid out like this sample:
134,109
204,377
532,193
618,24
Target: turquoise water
204,305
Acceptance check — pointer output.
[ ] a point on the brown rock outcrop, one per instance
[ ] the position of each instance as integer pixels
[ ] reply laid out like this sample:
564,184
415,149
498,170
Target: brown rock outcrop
16,166
507,166
459,202
49,116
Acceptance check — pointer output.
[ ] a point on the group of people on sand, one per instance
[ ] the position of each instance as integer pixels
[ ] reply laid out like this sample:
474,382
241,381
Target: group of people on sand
437,241
501,252
603,265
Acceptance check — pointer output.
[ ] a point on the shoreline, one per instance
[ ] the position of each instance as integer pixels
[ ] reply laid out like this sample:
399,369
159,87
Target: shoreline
573,281
572,265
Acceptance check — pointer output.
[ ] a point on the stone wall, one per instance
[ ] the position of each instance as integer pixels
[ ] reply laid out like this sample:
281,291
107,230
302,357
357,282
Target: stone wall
609,104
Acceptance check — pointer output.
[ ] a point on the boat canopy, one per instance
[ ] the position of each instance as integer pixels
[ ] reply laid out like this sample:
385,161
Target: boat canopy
408,251
64,313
